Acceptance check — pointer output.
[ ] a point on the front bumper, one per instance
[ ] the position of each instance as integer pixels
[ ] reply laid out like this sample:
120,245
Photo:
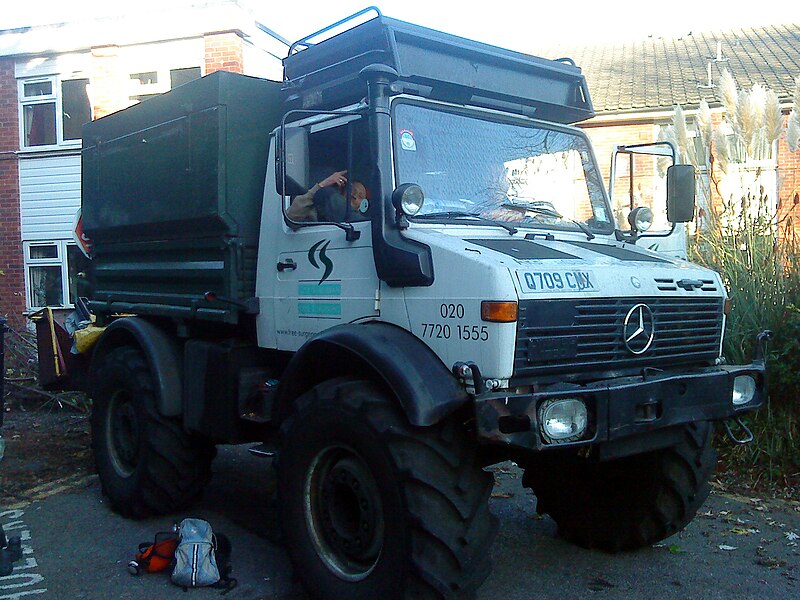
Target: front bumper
621,408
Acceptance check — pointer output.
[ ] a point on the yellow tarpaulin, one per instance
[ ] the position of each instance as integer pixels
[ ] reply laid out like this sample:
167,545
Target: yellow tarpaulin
87,337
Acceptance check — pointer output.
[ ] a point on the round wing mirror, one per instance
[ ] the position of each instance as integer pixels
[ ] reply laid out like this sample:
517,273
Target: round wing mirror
640,219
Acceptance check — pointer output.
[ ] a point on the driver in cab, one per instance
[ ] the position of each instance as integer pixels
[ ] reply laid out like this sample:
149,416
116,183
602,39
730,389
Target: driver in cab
320,202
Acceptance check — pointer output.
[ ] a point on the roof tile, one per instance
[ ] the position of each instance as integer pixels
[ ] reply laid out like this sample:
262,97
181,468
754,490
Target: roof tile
662,72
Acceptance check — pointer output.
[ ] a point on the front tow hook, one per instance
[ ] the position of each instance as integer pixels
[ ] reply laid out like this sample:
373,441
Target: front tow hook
748,435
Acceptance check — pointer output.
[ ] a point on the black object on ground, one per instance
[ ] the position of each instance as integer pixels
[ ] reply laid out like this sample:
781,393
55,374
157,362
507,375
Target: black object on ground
10,552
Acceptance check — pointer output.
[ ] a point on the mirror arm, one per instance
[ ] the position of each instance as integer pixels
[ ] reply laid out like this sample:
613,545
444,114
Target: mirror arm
628,237
631,237
351,233
659,235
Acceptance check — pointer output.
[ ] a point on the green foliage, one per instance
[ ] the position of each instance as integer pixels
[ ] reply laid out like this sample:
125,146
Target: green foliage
754,245
785,361
757,255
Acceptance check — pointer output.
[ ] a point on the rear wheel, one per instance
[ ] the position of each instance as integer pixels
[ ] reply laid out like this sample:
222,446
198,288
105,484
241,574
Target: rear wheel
375,508
630,502
147,464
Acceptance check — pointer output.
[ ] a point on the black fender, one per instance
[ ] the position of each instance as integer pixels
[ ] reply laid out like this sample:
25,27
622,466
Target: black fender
422,384
161,350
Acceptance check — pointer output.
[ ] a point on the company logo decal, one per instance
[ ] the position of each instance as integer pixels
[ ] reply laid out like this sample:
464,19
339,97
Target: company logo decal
317,255
638,329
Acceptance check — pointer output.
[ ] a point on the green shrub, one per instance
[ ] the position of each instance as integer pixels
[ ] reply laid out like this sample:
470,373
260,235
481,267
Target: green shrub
754,245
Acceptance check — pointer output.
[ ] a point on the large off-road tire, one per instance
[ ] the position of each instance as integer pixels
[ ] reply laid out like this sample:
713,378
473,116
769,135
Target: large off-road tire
147,464
374,508
630,502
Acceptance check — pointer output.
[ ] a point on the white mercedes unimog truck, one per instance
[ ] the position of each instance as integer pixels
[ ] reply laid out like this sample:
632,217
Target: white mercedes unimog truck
459,297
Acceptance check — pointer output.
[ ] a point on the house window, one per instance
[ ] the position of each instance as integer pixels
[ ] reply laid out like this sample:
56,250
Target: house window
180,76
147,84
52,111
55,273
75,108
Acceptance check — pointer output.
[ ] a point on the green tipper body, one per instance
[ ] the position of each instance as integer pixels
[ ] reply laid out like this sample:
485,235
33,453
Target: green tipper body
171,198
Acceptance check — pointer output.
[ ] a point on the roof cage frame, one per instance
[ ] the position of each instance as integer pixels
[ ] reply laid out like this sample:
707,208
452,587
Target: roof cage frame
304,42
432,64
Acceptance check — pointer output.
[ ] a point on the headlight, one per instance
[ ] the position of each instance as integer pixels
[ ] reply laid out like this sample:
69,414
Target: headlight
744,389
641,219
408,198
563,419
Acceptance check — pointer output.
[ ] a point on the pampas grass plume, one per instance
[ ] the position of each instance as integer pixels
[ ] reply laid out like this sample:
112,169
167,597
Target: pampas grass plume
704,126
730,95
722,150
682,135
746,120
773,118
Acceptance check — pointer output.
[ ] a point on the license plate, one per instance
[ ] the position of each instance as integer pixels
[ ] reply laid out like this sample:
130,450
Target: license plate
557,281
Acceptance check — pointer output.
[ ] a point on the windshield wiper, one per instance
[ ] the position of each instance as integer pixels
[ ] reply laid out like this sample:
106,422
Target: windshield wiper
548,212
451,214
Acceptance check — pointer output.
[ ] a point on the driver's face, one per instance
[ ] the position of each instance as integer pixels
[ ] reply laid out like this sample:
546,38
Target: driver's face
357,193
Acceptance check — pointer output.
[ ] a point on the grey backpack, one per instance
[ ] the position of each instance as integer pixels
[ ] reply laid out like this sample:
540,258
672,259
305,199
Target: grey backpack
201,558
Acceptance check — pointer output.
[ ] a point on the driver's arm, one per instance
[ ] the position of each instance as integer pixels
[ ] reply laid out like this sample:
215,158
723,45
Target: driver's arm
302,207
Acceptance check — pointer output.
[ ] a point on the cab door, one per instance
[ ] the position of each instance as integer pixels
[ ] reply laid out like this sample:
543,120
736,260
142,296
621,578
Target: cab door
319,278
323,281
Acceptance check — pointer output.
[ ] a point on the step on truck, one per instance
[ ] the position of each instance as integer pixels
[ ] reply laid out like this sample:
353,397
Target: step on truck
392,269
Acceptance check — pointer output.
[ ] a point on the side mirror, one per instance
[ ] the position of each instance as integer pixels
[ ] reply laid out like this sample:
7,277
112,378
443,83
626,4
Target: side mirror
680,193
291,161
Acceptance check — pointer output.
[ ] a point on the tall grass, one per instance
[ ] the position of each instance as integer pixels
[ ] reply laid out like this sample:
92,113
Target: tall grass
753,243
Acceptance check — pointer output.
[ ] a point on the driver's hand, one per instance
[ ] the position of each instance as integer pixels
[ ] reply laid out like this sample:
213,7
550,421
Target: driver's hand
338,179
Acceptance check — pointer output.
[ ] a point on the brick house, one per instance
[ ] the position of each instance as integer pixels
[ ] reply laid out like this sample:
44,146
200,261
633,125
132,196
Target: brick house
636,84
53,78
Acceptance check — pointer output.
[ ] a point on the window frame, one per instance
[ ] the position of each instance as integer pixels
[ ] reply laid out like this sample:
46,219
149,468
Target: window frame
61,260
138,91
56,97
315,123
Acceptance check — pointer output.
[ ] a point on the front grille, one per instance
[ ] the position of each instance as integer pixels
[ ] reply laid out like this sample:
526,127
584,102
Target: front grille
556,336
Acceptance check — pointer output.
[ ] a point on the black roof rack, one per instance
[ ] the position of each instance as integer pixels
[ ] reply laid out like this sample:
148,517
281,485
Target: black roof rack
324,74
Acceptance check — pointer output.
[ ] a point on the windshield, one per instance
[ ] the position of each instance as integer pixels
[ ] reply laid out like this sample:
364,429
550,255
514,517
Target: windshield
525,175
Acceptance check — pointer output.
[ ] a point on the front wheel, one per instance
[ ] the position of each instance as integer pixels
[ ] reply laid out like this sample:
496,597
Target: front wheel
375,508
630,502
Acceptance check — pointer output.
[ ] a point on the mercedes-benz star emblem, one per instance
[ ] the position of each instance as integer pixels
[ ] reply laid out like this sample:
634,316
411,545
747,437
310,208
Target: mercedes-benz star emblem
638,329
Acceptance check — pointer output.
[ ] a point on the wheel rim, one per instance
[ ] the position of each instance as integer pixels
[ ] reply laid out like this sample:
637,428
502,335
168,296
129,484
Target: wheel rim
344,513
123,433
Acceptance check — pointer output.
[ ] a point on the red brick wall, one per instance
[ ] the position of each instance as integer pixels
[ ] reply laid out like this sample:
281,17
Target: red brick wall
788,189
224,52
107,81
12,283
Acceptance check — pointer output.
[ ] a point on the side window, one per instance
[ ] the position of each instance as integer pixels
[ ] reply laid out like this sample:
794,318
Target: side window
338,175
38,99
148,83
55,273
75,108
52,111
45,280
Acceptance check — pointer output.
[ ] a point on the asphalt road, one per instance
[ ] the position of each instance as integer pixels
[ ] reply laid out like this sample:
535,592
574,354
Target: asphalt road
76,547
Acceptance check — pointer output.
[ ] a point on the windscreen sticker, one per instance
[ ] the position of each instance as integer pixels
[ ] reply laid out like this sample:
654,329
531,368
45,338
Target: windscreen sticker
407,141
